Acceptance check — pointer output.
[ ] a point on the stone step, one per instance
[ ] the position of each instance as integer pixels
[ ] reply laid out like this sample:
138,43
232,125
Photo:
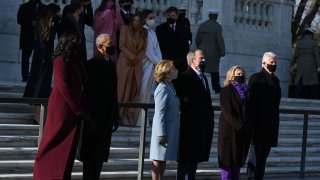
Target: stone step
12,86
118,164
19,129
16,108
16,118
29,153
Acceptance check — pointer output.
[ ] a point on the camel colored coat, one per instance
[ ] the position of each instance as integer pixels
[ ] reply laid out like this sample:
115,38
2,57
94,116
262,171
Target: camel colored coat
129,77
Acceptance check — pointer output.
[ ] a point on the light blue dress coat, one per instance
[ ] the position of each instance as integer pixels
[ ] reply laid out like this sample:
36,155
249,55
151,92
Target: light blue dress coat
166,122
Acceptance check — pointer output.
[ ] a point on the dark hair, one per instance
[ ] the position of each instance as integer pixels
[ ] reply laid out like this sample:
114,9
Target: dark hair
145,13
74,6
213,16
172,9
47,20
123,1
142,31
102,5
69,46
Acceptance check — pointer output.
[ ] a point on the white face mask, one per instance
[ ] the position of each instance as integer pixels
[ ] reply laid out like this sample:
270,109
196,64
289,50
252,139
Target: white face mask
150,22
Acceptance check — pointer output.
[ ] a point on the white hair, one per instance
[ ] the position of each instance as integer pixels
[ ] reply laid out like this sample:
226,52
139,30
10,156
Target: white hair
102,38
267,55
192,55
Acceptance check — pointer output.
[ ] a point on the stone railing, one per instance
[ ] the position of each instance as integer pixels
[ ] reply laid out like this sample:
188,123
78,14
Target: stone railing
254,14
158,6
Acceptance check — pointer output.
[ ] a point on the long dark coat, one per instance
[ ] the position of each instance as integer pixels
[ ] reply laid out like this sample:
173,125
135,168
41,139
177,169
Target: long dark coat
103,107
263,108
27,13
67,104
234,130
174,44
196,118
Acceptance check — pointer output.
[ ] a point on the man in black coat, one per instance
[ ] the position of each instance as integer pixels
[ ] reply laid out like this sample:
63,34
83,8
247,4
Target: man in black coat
103,108
173,40
196,118
263,112
27,18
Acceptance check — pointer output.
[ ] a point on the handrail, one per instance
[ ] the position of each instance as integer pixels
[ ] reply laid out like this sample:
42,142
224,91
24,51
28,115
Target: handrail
306,111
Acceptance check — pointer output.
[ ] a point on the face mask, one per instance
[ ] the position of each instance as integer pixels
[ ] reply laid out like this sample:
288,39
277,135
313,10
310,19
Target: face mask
182,15
271,68
171,20
239,79
150,22
174,74
127,7
202,66
110,50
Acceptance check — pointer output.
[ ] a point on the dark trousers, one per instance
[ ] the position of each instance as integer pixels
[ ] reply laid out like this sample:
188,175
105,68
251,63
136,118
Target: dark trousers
215,82
307,91
92,170
258,155
26,53
189,169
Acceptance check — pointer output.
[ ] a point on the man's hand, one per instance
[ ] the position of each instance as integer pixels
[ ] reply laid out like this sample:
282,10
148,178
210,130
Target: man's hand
115,126
162,140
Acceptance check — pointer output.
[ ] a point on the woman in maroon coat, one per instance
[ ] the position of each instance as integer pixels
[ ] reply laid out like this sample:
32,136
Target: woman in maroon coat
233,133
66,109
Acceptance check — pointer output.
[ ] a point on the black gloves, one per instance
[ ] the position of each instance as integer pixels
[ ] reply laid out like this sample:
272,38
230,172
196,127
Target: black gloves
162,140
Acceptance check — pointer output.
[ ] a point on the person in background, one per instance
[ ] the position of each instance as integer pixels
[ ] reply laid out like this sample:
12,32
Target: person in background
308,66
103,108
263,113
27,18
126,14
165,129
234,128
67,107
197,118
74,18
209,38
153,56
133,44
173,40
107,19
182,16
39,81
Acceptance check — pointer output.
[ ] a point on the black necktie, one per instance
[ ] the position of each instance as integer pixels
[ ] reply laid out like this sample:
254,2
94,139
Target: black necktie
202,79
172,27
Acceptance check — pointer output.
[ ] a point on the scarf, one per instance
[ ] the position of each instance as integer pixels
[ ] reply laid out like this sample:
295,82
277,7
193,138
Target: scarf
242,90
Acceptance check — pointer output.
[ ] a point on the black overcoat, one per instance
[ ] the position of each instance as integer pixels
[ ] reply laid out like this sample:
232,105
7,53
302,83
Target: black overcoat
103,107
174,44
196,118
264,100
234,130
27,13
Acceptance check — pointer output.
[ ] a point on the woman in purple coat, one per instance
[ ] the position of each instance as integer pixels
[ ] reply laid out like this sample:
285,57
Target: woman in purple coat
233,133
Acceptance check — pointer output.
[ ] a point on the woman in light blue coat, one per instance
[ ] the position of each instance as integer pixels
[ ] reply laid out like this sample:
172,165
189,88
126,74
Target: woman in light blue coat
166,120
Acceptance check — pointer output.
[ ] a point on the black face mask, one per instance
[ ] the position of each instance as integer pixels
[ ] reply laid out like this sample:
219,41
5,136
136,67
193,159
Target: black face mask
202,66
127,7
171,20
182,15
239,79
271,68
110,50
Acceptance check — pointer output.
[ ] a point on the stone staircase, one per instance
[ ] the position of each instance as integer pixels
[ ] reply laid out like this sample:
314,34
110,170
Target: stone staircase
18,145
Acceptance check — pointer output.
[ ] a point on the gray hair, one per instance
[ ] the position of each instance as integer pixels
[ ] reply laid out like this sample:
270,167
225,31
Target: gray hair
102,38
267,55
192,55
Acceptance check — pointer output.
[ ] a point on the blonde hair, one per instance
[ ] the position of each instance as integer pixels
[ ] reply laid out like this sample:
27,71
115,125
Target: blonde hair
230,74
162,70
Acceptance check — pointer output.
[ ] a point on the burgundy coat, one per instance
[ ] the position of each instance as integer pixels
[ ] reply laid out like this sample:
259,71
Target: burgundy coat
60,136
234,129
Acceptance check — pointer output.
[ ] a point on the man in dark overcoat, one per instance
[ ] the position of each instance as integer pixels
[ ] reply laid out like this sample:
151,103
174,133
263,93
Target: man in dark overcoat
27,18
103,107
196,118
263,112
173,40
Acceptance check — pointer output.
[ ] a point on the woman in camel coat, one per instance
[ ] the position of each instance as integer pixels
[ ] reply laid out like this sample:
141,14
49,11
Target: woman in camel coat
133,44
